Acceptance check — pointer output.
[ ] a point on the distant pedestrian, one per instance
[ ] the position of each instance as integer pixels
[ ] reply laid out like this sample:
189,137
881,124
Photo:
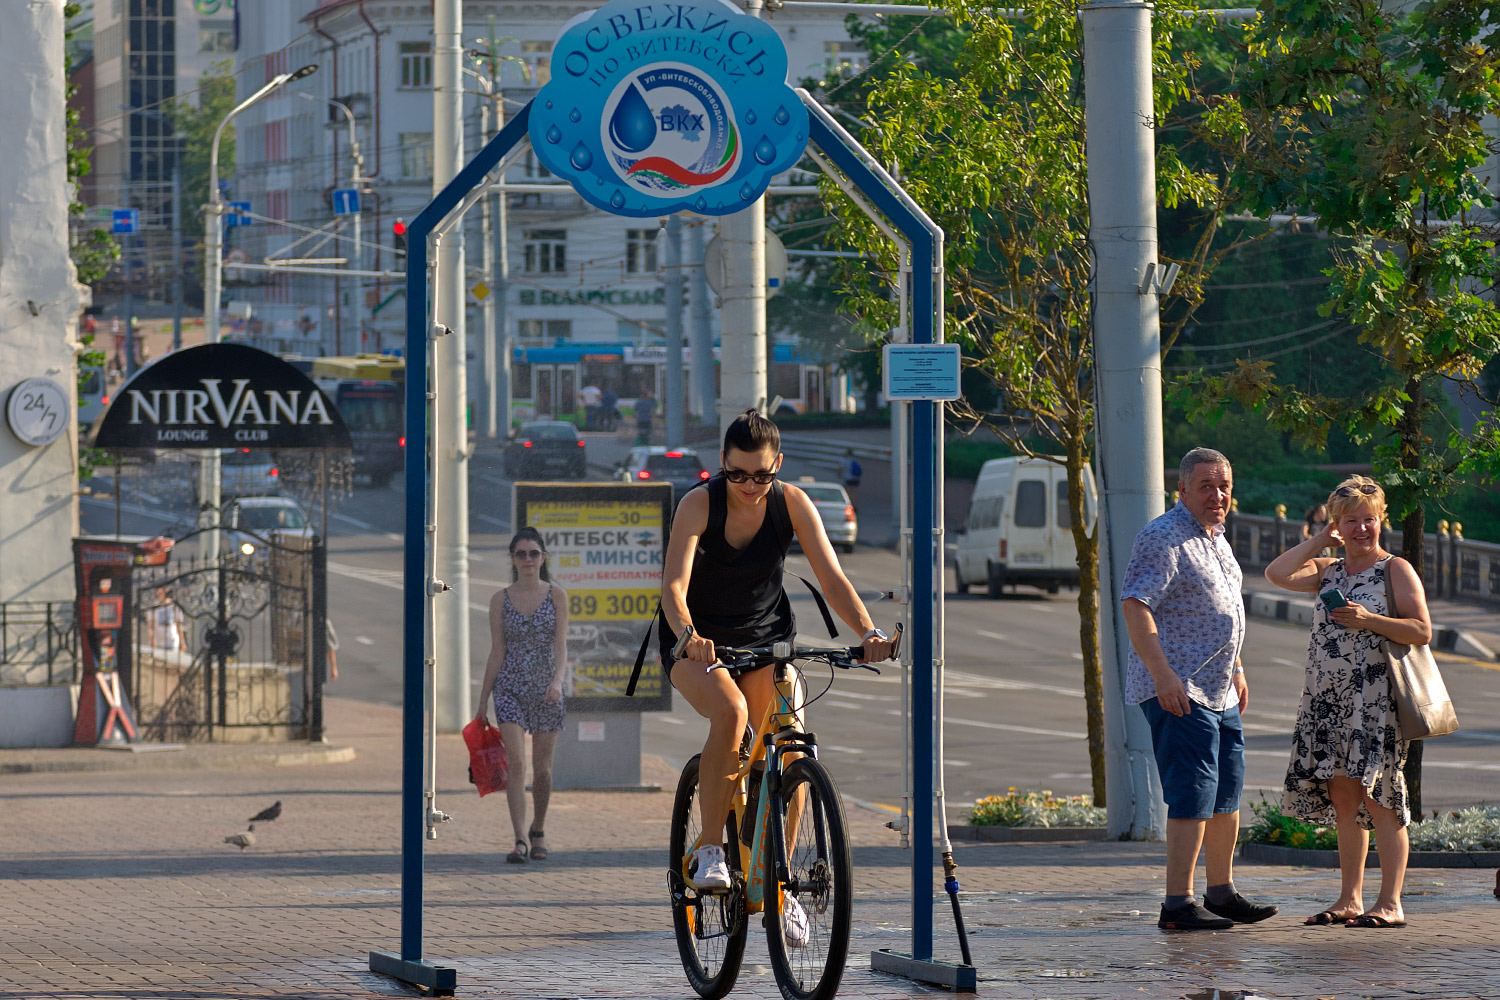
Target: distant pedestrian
1186,620
527,666
645,413
333,650
165,623
1348,757
850,472
588,398
609,413
1315,520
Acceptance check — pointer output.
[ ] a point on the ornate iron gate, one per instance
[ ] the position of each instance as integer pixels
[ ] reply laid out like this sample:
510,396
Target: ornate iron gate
233,649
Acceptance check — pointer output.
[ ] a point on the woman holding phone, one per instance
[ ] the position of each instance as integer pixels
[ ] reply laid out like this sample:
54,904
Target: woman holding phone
1347,753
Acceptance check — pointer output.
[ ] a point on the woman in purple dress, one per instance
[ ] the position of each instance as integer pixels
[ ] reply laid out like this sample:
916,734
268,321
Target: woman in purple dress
528,663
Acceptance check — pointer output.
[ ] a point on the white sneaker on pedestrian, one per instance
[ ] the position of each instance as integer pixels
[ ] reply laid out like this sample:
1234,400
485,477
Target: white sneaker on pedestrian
793,922
709,869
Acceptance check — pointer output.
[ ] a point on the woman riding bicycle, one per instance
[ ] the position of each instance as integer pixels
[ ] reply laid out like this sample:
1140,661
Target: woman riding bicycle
723,579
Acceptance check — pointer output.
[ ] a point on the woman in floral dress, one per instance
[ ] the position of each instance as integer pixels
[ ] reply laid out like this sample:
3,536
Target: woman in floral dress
1347,752
527,667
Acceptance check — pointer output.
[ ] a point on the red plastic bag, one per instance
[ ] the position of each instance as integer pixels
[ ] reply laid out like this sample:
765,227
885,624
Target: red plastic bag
487,767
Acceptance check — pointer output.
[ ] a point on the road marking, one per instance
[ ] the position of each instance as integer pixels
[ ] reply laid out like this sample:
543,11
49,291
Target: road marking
493,520
990,635
1022,729
832,703
128,508
493,479
1264,729
364,640
394,537
352,520
670,721
1486,664
1287,663
836,747
867,697
958,763
960,678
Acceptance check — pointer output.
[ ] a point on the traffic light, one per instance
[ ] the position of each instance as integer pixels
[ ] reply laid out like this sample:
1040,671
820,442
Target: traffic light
398,230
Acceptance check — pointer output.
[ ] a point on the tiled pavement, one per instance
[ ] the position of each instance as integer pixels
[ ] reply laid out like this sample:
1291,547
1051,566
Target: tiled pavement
117,885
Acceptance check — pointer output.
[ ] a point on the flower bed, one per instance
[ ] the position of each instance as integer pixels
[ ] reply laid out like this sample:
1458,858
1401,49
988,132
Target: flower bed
1469,837
1036,809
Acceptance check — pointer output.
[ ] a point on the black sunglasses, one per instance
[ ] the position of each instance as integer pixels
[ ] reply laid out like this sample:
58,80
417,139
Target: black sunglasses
1368,489
528,553
739,476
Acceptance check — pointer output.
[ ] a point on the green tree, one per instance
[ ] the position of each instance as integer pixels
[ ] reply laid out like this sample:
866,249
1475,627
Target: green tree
92,248
1372,121
991,144
197,123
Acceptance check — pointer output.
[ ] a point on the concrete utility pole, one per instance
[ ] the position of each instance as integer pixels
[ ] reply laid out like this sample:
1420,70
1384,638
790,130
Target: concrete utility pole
1127,360
450,465
177,250
673,296
704,395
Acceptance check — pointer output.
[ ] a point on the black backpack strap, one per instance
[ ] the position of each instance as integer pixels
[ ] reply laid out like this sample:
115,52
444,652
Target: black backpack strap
833,631
640,658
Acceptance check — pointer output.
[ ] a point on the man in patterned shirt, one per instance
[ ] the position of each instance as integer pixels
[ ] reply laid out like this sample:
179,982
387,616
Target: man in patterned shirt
1186,620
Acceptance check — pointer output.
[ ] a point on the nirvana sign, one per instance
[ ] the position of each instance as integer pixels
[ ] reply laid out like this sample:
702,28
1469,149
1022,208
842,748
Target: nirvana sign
221,396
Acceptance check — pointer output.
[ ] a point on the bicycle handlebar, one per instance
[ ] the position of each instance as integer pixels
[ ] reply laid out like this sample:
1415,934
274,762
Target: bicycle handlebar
844,657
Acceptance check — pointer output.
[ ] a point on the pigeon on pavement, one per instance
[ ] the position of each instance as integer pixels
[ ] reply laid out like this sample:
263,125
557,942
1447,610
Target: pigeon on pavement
242,840
268,814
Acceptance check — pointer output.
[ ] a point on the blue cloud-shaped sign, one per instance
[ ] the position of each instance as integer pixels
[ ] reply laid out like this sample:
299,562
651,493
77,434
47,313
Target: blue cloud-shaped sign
659,107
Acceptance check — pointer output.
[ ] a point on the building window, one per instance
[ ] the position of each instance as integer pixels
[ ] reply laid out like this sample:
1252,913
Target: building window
538,57
534,169
546,251
640,251
276,142
416,64
215,36
845,58
416,155
543,332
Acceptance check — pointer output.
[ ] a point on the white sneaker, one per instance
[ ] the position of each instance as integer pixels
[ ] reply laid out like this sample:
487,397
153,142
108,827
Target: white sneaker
793,922
709,869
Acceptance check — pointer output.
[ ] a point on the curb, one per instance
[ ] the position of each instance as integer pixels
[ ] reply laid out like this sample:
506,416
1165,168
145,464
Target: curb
1297,611
194,757
1025,834
1271,854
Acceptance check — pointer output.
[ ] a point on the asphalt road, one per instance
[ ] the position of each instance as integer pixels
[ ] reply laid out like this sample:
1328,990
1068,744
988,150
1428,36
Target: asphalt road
1014,711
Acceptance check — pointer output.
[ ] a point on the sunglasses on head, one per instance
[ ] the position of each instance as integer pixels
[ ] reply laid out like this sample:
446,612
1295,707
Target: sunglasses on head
740,476
1368,489
528,553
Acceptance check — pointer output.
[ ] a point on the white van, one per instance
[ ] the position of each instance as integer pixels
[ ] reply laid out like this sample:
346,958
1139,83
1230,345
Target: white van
1018,529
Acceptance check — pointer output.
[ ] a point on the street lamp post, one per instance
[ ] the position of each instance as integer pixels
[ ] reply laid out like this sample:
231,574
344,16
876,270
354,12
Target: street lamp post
356,181
213,275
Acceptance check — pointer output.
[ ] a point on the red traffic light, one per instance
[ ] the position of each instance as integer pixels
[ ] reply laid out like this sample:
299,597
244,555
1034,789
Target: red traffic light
398,227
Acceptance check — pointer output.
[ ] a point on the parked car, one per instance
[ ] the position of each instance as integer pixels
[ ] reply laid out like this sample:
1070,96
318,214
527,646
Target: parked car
1019,528
839,521
679,467
246,472
546,447
93,397
249,522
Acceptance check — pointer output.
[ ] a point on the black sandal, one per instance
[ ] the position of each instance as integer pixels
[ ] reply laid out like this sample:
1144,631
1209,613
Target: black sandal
537,853
517,855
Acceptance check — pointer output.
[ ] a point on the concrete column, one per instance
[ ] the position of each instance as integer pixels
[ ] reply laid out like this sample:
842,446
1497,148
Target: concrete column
742,318
1127,362
39,303
704,396
675,386
451,459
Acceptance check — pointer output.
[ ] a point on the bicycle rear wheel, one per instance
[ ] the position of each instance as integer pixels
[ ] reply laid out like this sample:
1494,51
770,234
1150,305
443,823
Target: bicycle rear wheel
710,927
820,874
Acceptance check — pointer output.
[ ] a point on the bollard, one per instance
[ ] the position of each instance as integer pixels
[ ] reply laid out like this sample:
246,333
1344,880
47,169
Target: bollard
1439,577
1455,577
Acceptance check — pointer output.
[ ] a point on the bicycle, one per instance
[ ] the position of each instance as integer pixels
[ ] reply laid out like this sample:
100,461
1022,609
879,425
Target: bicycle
815,868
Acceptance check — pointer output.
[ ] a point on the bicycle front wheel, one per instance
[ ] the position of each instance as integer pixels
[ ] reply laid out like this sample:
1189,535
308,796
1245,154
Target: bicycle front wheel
710,927
808,952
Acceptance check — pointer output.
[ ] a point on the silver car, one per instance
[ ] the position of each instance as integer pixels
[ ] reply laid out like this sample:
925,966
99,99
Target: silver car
839,521
250,522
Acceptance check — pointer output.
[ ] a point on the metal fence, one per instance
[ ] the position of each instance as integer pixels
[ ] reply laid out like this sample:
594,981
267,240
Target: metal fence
38,643
1452,566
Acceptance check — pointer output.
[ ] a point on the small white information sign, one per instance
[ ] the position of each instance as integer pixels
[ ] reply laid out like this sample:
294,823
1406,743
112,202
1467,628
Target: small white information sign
921,372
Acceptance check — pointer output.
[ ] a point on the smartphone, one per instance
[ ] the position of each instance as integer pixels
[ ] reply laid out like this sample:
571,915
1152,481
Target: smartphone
1333,599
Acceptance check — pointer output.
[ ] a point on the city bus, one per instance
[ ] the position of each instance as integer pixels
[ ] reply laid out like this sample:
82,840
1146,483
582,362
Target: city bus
369,391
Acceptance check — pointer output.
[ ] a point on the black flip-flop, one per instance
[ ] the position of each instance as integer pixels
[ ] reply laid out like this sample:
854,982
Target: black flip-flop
1324,919
1371,920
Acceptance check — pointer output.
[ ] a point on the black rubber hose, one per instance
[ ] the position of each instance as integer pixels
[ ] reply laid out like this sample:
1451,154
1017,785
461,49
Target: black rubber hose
950,882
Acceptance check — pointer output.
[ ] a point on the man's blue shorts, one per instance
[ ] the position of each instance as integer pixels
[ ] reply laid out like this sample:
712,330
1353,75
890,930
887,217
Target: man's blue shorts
1201,759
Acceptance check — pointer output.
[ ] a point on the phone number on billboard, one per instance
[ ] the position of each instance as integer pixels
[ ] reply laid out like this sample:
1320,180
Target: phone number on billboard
611,605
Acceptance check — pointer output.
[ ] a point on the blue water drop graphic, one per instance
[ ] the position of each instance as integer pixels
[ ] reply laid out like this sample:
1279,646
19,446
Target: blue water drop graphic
750,117
781,116
554,135
632,127
747,193
581,158
575,116
700,204
765,152
617,200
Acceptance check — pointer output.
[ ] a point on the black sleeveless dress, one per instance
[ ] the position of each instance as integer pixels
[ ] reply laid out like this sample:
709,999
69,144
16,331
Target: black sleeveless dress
735,596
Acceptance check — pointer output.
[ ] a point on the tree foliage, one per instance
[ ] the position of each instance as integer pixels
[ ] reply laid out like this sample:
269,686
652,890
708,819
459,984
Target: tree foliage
92,248
196,123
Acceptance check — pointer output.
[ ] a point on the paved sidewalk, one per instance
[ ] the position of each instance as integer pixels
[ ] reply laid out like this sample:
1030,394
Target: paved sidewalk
118,887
